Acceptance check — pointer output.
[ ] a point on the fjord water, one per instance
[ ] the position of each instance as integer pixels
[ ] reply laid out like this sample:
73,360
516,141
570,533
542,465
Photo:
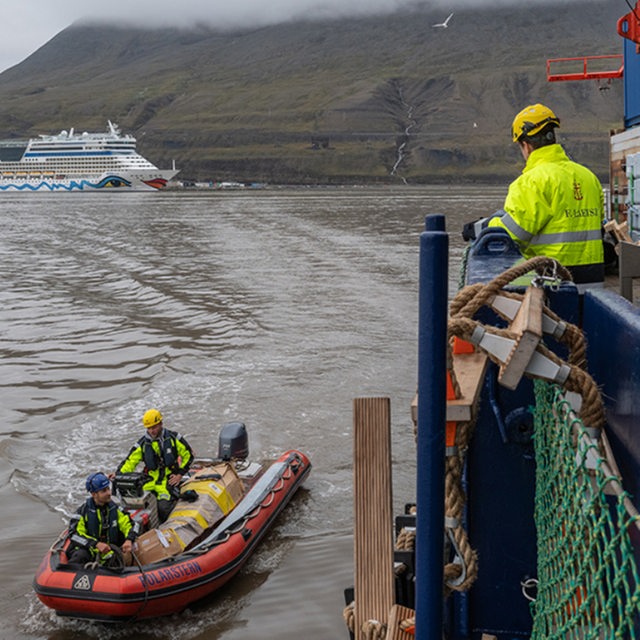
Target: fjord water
275,307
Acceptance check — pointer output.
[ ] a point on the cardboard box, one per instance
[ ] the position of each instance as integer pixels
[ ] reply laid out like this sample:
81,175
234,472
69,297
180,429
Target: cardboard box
156,545
221,476
201,514
184,530
219,490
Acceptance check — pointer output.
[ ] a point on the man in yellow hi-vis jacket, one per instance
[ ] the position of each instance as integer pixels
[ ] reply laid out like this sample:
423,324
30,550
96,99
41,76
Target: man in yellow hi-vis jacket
99,523
166,455
555,207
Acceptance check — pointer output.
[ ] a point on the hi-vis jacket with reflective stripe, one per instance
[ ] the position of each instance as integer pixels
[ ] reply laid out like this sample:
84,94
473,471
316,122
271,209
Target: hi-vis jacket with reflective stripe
169,453
108,524
555,208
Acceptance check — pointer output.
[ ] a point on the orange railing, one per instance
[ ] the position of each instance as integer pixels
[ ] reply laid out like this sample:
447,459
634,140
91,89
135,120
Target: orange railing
584,68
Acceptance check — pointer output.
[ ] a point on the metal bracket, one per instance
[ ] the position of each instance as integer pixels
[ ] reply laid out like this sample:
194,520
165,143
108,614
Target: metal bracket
539,365
509,307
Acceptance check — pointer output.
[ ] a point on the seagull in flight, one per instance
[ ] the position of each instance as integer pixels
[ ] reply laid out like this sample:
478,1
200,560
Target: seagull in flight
444,24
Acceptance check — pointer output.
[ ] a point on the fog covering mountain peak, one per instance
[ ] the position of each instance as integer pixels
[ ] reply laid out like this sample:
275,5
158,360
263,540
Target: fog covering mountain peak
327,100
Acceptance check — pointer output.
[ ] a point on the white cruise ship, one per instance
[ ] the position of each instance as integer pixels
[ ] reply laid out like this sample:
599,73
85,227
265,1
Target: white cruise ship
78,162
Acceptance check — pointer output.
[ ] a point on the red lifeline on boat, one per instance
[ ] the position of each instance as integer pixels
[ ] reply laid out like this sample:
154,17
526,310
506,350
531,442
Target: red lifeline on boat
170,585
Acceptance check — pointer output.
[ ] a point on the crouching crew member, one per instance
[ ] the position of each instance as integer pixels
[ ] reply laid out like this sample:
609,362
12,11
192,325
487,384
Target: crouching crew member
99,523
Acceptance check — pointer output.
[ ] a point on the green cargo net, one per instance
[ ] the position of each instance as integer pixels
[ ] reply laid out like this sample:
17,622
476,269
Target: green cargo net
588,584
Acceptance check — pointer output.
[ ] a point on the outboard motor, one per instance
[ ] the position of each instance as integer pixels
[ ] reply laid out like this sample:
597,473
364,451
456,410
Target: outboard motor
233,442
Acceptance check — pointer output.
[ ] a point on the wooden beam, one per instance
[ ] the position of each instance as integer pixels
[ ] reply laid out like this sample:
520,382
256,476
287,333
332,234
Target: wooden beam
373,533
619,230
470,369
397,616
527,326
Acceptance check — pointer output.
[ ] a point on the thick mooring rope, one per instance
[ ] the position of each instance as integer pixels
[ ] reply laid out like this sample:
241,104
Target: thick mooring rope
463,570
471,299
371,629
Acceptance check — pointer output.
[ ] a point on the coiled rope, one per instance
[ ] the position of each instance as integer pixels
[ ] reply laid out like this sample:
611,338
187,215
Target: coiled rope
463,570
472,298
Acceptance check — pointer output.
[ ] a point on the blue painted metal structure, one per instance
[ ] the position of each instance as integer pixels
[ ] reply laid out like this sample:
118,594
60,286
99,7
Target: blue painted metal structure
432,371
500,474
612,327
631,84
629,28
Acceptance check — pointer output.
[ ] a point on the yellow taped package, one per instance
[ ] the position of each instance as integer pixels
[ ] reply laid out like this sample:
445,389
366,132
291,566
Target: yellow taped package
214,491
183,531
204,512
219,481
222,474
219,489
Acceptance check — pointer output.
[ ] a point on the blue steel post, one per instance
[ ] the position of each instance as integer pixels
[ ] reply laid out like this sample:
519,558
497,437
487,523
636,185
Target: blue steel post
434,222
432,368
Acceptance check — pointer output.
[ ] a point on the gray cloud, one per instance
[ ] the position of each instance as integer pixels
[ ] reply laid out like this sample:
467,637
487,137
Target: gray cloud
31,23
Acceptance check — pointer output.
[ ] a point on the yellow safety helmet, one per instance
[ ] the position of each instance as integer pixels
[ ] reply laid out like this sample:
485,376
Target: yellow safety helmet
531,120
151,418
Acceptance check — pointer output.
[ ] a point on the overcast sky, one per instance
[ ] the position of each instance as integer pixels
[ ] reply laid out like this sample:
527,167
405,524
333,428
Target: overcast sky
29,24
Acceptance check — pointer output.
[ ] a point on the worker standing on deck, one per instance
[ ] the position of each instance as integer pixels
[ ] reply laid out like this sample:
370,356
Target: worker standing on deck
555,207
167,457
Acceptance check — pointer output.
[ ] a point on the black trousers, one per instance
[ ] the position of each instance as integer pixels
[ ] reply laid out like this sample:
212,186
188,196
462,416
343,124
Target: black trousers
165,507
79,557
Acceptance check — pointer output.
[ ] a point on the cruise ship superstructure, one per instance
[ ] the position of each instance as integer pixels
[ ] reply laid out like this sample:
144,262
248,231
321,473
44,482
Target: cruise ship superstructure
78,162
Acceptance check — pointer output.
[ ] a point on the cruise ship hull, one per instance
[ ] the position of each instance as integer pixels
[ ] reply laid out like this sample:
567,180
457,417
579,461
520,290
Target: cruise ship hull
122,180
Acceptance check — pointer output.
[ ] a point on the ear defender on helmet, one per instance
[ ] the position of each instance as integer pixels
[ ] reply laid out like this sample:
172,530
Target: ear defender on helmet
97,482
532,120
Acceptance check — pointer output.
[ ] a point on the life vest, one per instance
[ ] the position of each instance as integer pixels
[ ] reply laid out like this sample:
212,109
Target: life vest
96,527
168,456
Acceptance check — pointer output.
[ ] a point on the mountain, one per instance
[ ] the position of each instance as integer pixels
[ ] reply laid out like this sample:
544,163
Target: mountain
381,98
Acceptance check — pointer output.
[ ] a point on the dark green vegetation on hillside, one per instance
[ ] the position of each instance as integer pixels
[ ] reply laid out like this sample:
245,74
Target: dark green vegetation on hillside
316,102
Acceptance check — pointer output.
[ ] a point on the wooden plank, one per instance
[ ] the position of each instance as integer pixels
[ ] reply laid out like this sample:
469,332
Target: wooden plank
373,533
470,369
620,231
398,615
527,325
